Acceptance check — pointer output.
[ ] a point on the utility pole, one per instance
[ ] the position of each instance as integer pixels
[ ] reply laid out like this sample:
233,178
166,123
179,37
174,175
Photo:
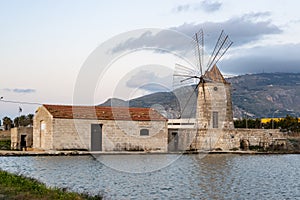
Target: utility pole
276,111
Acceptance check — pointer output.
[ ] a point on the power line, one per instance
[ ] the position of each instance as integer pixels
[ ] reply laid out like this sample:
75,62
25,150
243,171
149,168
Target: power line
20,102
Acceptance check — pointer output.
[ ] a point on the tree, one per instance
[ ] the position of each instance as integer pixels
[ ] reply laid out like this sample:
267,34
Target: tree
7,123
30,119
251,123
24,120
289,123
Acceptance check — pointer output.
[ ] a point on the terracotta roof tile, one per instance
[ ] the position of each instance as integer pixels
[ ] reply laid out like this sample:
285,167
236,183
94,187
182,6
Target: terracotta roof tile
104,113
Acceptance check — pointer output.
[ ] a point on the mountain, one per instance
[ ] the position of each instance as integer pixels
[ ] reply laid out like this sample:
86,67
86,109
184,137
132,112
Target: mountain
266,94
253,96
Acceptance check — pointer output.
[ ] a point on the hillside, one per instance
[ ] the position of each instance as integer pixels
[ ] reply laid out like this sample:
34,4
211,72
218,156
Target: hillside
266,95
253,95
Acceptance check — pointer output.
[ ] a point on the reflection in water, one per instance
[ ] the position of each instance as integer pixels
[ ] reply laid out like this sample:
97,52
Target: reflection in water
189,177
142,163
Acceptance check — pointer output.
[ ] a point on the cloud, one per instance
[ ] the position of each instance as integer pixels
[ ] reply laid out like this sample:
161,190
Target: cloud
161,41
242,30
275,58
150,81
18,90
210,6
206,5
247,29
182,8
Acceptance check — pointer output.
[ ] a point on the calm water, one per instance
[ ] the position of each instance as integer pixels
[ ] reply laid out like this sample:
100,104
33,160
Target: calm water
188,177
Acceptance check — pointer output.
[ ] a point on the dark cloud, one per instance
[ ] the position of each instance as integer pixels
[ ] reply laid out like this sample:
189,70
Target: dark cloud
206,5
18,90
276,58
242,30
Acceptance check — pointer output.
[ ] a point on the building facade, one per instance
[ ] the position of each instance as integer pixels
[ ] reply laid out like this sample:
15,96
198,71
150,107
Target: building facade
59,127
21,138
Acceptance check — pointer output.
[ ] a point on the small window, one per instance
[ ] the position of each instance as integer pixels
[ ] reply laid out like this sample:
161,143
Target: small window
215,120
43,125
144,132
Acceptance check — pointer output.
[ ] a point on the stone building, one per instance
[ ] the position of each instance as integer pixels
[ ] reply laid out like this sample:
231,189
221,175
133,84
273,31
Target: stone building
214,116
213,127
95,128
21,138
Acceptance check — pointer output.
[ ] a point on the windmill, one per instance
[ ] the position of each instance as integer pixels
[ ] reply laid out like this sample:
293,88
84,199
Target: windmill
209,93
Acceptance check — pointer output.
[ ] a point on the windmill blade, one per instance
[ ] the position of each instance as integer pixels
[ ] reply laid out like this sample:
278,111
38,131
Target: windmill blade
199,49
222,45
179,69
183,76
188,100
186,79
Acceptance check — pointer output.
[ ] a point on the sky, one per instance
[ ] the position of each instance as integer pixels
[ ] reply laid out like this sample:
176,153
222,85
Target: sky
46,46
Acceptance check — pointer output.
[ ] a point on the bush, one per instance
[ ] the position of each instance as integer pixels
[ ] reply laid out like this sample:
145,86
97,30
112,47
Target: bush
5,144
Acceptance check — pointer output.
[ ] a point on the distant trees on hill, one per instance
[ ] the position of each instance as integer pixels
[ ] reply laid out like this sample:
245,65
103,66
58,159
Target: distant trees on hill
289,124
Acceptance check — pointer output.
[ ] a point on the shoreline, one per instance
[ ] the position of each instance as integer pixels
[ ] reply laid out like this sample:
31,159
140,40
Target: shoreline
87,153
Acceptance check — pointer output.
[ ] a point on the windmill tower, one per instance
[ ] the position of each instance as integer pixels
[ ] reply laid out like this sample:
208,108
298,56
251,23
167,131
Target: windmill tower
214,105
213,93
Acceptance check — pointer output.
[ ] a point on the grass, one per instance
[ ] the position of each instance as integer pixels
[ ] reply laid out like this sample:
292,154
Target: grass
4,144
14,187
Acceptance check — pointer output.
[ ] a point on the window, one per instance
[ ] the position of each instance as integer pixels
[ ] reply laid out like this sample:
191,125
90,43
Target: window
215,120
144,132
43,125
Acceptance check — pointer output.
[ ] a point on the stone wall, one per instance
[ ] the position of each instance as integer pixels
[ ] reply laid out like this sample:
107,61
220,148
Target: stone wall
256,137
222,139
181,139
64,134
215,98
116,135
16,134
42,129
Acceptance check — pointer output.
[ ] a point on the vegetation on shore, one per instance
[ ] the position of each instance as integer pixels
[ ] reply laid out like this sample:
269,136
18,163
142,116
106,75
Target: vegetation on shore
287,124
5,144
19,187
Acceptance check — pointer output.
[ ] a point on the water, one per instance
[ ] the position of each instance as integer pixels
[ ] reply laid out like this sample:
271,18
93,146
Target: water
188,177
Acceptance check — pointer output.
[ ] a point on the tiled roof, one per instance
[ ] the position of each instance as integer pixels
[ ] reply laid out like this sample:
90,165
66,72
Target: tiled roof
104,113
215,75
